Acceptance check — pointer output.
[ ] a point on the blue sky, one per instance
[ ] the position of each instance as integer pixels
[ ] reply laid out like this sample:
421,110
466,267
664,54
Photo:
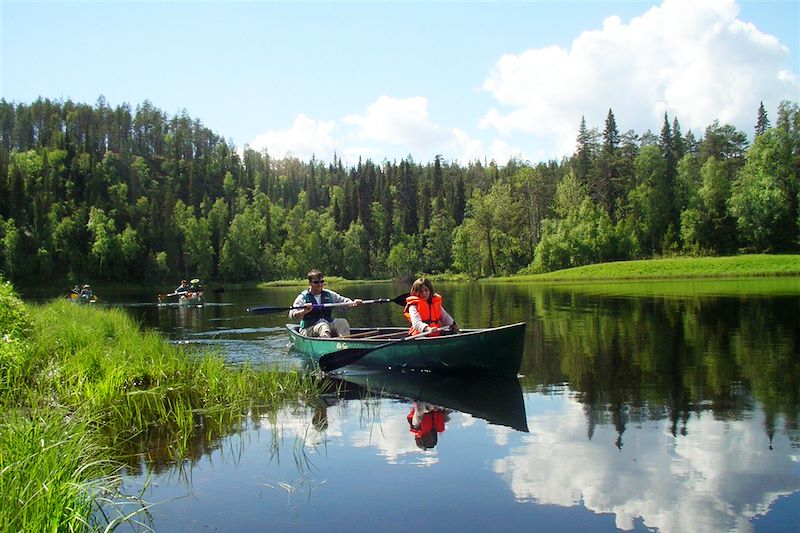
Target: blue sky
381,80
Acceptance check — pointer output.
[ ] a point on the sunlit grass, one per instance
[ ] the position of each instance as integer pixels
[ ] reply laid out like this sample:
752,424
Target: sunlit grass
675,268
78,383
100,359
49,467
329,280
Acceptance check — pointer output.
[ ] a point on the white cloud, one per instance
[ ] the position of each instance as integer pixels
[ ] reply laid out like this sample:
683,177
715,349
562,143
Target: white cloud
390,128
397,121
402,126
306,137
691,58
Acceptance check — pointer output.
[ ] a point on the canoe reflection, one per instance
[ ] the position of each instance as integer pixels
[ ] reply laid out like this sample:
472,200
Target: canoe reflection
497,400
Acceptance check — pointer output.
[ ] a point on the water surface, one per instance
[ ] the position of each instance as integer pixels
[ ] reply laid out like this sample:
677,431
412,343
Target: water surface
669,406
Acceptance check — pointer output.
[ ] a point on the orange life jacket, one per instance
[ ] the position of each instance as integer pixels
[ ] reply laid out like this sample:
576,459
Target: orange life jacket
430,421
431,313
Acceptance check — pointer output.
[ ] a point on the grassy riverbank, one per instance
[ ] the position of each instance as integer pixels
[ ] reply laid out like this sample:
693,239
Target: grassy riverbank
738,266
75,381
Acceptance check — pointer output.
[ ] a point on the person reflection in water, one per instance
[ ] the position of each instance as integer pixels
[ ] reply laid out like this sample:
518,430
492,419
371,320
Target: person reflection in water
426,421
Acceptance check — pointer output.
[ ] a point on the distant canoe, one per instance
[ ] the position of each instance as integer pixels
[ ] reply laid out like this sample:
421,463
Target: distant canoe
82,299
487,351
191,298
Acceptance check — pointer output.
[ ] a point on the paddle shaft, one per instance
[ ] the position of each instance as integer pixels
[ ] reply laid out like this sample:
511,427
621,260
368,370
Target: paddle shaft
348,356
162,295
265,309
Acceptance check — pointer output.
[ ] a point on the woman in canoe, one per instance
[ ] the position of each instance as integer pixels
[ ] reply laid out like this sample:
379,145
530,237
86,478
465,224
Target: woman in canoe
424,309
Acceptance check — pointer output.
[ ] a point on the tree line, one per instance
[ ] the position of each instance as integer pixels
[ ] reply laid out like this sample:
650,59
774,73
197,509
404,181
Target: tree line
91,191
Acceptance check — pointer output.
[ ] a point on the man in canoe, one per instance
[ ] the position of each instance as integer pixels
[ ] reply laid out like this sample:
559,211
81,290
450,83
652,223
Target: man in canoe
183,287
424,309
318,321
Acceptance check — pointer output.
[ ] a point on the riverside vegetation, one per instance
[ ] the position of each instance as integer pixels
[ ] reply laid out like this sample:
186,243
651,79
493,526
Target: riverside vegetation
103,193
77,384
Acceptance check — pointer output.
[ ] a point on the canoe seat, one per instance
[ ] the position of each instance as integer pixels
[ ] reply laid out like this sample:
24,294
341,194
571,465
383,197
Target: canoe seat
362,334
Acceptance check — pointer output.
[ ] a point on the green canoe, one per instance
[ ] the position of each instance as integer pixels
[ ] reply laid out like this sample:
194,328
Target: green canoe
489,351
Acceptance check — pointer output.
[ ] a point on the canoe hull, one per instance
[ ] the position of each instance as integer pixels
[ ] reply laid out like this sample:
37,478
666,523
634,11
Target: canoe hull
491,351
191,298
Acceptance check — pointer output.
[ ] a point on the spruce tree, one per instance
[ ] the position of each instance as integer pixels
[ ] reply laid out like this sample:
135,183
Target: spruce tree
762,122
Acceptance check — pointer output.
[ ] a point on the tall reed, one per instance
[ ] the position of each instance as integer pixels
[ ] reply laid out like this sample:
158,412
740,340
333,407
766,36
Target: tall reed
52,468
101,359
77,384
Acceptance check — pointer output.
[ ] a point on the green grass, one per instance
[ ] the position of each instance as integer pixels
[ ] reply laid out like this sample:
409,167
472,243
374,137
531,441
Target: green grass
336,280
738,266
49,470
675,268
303,282
76,383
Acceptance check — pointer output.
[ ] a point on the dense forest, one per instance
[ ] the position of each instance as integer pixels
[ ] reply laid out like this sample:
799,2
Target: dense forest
115,193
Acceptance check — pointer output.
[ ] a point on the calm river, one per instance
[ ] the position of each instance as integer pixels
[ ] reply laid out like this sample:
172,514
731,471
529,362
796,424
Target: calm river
641,406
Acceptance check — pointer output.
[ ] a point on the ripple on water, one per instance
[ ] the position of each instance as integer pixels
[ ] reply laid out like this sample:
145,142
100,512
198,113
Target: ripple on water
256,346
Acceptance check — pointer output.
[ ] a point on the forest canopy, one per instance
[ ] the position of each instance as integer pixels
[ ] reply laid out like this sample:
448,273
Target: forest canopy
138,195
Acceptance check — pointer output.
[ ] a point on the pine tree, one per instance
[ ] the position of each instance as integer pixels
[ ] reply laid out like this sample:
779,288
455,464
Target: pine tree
610,134
583,153
605,172
678,142
666,142
762,122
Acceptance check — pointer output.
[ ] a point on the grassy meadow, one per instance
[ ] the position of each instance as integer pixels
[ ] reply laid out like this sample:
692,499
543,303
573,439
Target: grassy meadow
739,266
77,382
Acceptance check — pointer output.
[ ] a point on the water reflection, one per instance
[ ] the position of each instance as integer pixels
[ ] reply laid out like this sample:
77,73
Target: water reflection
718,479
494,399
673,408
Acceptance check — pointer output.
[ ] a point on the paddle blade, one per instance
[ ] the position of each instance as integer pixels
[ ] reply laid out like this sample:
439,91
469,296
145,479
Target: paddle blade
348,356
266,309
401,299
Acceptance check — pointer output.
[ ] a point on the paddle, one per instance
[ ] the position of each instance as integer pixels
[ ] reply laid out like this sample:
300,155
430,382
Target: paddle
162,295
348,356
265,309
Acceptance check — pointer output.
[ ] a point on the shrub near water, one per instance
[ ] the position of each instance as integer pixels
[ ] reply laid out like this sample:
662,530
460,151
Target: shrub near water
72,376
51,470
101,359
15,327
47,459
